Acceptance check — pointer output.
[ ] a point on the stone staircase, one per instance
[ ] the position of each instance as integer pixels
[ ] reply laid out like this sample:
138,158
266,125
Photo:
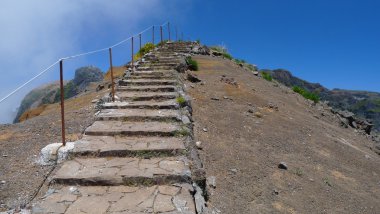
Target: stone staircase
135,157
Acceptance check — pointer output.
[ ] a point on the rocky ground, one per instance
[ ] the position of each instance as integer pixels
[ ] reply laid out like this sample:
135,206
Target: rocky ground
272,151
20,144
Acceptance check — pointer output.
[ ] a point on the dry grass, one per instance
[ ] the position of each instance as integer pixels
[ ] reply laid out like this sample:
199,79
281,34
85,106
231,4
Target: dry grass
32,113
118,71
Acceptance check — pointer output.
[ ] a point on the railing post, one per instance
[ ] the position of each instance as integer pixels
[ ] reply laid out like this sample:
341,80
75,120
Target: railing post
111,67
169,30
62,102
153,34
132,53
176,33
161,33
140,40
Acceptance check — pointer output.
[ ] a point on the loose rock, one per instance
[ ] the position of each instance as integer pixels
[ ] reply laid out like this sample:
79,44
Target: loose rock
283,165
198,144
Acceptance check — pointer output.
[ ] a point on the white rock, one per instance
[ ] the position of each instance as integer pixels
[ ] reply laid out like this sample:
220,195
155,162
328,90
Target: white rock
198,144
63,152
48,154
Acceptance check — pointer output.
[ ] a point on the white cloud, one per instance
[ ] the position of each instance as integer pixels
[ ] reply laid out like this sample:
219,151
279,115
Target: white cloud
36,33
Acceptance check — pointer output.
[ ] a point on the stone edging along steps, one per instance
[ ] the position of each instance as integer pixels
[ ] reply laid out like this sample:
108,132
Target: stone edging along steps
138,156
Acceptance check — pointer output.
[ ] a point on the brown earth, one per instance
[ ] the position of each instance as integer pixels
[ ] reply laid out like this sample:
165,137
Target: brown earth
21,143
330,169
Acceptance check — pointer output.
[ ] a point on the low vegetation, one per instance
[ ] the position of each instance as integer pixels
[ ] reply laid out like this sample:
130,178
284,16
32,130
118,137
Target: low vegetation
144,50
267,76
306,94
181,101
193,65
223,50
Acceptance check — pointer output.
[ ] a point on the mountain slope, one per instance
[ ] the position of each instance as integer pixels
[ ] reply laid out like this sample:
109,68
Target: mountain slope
362,103
50,93
247,126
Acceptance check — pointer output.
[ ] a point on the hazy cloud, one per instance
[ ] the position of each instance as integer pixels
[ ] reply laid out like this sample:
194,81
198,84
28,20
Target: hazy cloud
34,34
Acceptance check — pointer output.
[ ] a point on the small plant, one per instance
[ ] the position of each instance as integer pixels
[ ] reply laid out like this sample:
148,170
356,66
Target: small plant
298,172
267,76
193,65
306,94
144,50
198,41
327,181
181,101
227,56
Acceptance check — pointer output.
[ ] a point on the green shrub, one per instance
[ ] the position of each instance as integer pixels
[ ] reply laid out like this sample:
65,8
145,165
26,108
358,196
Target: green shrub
193,65
181,101
144,50
198,41
267,76
227,55
219,48
306,94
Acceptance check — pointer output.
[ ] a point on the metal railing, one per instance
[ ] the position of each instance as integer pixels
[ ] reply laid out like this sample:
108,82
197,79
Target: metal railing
109,49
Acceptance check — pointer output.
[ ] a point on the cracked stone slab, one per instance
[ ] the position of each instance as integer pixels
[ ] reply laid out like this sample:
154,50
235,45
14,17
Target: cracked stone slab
123,171
143,95
138,114
169,199
112,128
167,104
148,82
123,146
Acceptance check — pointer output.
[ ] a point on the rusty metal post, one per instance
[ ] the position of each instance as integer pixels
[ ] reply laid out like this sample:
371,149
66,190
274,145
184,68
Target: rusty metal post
153,34
161,33
132,53
113,84
140,40
176,33
169,30
62,102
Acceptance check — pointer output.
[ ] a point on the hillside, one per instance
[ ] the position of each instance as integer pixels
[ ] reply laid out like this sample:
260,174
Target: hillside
38,98
363,104
248,126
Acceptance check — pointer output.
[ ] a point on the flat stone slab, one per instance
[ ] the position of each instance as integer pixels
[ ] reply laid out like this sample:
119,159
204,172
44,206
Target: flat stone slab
111,128
166,88
112,171
169,199
166,104
143,95
122,146
148,82
139,115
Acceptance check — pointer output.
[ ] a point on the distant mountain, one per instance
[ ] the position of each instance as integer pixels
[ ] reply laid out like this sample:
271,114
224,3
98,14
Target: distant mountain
363,104
51,94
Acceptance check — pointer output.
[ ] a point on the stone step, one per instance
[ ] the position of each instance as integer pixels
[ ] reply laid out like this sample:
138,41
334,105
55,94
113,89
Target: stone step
162,88
122,146
154,73
153,67
144,96
112,128
113,171
148,82
152,77
167,104
138,115
159,63
169,199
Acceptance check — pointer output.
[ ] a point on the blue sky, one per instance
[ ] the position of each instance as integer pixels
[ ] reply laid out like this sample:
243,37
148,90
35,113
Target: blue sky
335,43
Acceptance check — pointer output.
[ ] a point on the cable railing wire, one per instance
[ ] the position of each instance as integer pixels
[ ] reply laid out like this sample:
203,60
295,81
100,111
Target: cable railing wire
75,56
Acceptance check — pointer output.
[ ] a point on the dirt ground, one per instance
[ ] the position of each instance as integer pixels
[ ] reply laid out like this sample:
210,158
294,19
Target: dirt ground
330,169
21,143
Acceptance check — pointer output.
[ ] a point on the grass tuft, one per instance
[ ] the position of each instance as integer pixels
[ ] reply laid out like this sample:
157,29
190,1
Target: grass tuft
144,50
306,94
267,76
181,101
193,65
